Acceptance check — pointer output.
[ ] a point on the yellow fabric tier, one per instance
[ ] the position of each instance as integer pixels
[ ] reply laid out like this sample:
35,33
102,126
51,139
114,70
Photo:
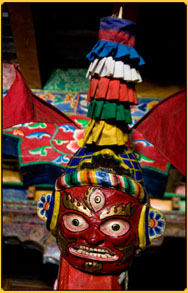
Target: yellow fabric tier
101,133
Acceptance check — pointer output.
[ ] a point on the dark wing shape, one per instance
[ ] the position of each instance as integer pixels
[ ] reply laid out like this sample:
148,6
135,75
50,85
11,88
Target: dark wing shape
164,127
21,105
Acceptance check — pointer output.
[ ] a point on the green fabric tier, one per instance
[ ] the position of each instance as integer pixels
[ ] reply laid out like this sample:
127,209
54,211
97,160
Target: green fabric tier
108,110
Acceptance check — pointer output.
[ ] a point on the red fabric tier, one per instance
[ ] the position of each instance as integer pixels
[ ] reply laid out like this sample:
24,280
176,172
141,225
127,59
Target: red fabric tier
111,89
117,36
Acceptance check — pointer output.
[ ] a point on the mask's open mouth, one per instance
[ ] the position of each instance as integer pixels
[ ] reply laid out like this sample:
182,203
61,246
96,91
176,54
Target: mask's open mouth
102,254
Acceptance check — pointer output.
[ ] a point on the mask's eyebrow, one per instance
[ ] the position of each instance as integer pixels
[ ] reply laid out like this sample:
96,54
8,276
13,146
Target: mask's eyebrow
71,203
118,210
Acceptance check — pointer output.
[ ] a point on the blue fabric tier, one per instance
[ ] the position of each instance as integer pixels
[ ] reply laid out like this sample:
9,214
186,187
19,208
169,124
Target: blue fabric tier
117,51
119,24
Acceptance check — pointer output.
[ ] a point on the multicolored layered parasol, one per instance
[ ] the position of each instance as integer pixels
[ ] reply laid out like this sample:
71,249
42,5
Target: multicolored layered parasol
113,72
106,159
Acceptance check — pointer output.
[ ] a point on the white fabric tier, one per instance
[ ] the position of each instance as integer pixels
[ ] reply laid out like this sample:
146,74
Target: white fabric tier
109,67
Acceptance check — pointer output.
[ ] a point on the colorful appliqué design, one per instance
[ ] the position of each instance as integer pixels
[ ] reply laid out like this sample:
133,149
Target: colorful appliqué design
43,207
74,145
61,159
36,125
38,135
147,155
156,223
67,128
42,151
18,132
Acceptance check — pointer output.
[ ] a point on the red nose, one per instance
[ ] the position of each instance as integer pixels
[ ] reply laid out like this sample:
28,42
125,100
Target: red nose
94,237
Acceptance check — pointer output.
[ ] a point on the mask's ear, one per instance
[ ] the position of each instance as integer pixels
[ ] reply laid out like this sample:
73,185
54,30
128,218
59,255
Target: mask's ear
151,225
48,209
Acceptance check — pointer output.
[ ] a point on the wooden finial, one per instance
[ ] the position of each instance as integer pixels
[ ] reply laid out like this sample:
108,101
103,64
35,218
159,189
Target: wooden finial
120,15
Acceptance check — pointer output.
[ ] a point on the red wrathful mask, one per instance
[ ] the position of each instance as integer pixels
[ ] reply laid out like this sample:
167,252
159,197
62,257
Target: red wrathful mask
97,228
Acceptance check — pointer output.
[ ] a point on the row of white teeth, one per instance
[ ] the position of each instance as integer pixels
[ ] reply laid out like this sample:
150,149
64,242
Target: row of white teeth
101,250
96,252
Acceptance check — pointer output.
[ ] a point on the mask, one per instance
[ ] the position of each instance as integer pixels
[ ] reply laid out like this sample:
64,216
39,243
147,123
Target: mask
97,228
100,215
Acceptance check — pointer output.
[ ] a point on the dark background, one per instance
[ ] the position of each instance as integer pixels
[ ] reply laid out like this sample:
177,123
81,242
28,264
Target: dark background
72,30
66,32
156,268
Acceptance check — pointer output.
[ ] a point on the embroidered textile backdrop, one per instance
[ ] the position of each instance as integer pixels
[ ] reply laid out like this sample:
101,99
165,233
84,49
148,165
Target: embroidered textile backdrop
50,146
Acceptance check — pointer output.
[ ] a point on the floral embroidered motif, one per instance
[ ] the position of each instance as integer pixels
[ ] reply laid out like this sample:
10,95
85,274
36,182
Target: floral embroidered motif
156,224
43,207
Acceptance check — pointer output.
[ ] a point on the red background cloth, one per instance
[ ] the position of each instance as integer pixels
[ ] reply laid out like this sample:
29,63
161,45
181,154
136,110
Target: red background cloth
164,127
20,105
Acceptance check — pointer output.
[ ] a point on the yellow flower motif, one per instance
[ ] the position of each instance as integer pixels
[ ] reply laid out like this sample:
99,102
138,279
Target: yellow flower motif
80,142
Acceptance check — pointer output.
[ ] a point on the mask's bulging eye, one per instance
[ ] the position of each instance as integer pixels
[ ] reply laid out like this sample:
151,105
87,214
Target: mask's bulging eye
75,223
115,227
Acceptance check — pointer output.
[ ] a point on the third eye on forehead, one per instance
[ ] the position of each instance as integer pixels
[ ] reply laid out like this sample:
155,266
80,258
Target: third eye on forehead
97,200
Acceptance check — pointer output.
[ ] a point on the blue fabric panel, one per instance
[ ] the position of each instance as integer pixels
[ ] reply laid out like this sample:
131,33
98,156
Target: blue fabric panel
107,48
41,174
155,182
120,24
10,145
